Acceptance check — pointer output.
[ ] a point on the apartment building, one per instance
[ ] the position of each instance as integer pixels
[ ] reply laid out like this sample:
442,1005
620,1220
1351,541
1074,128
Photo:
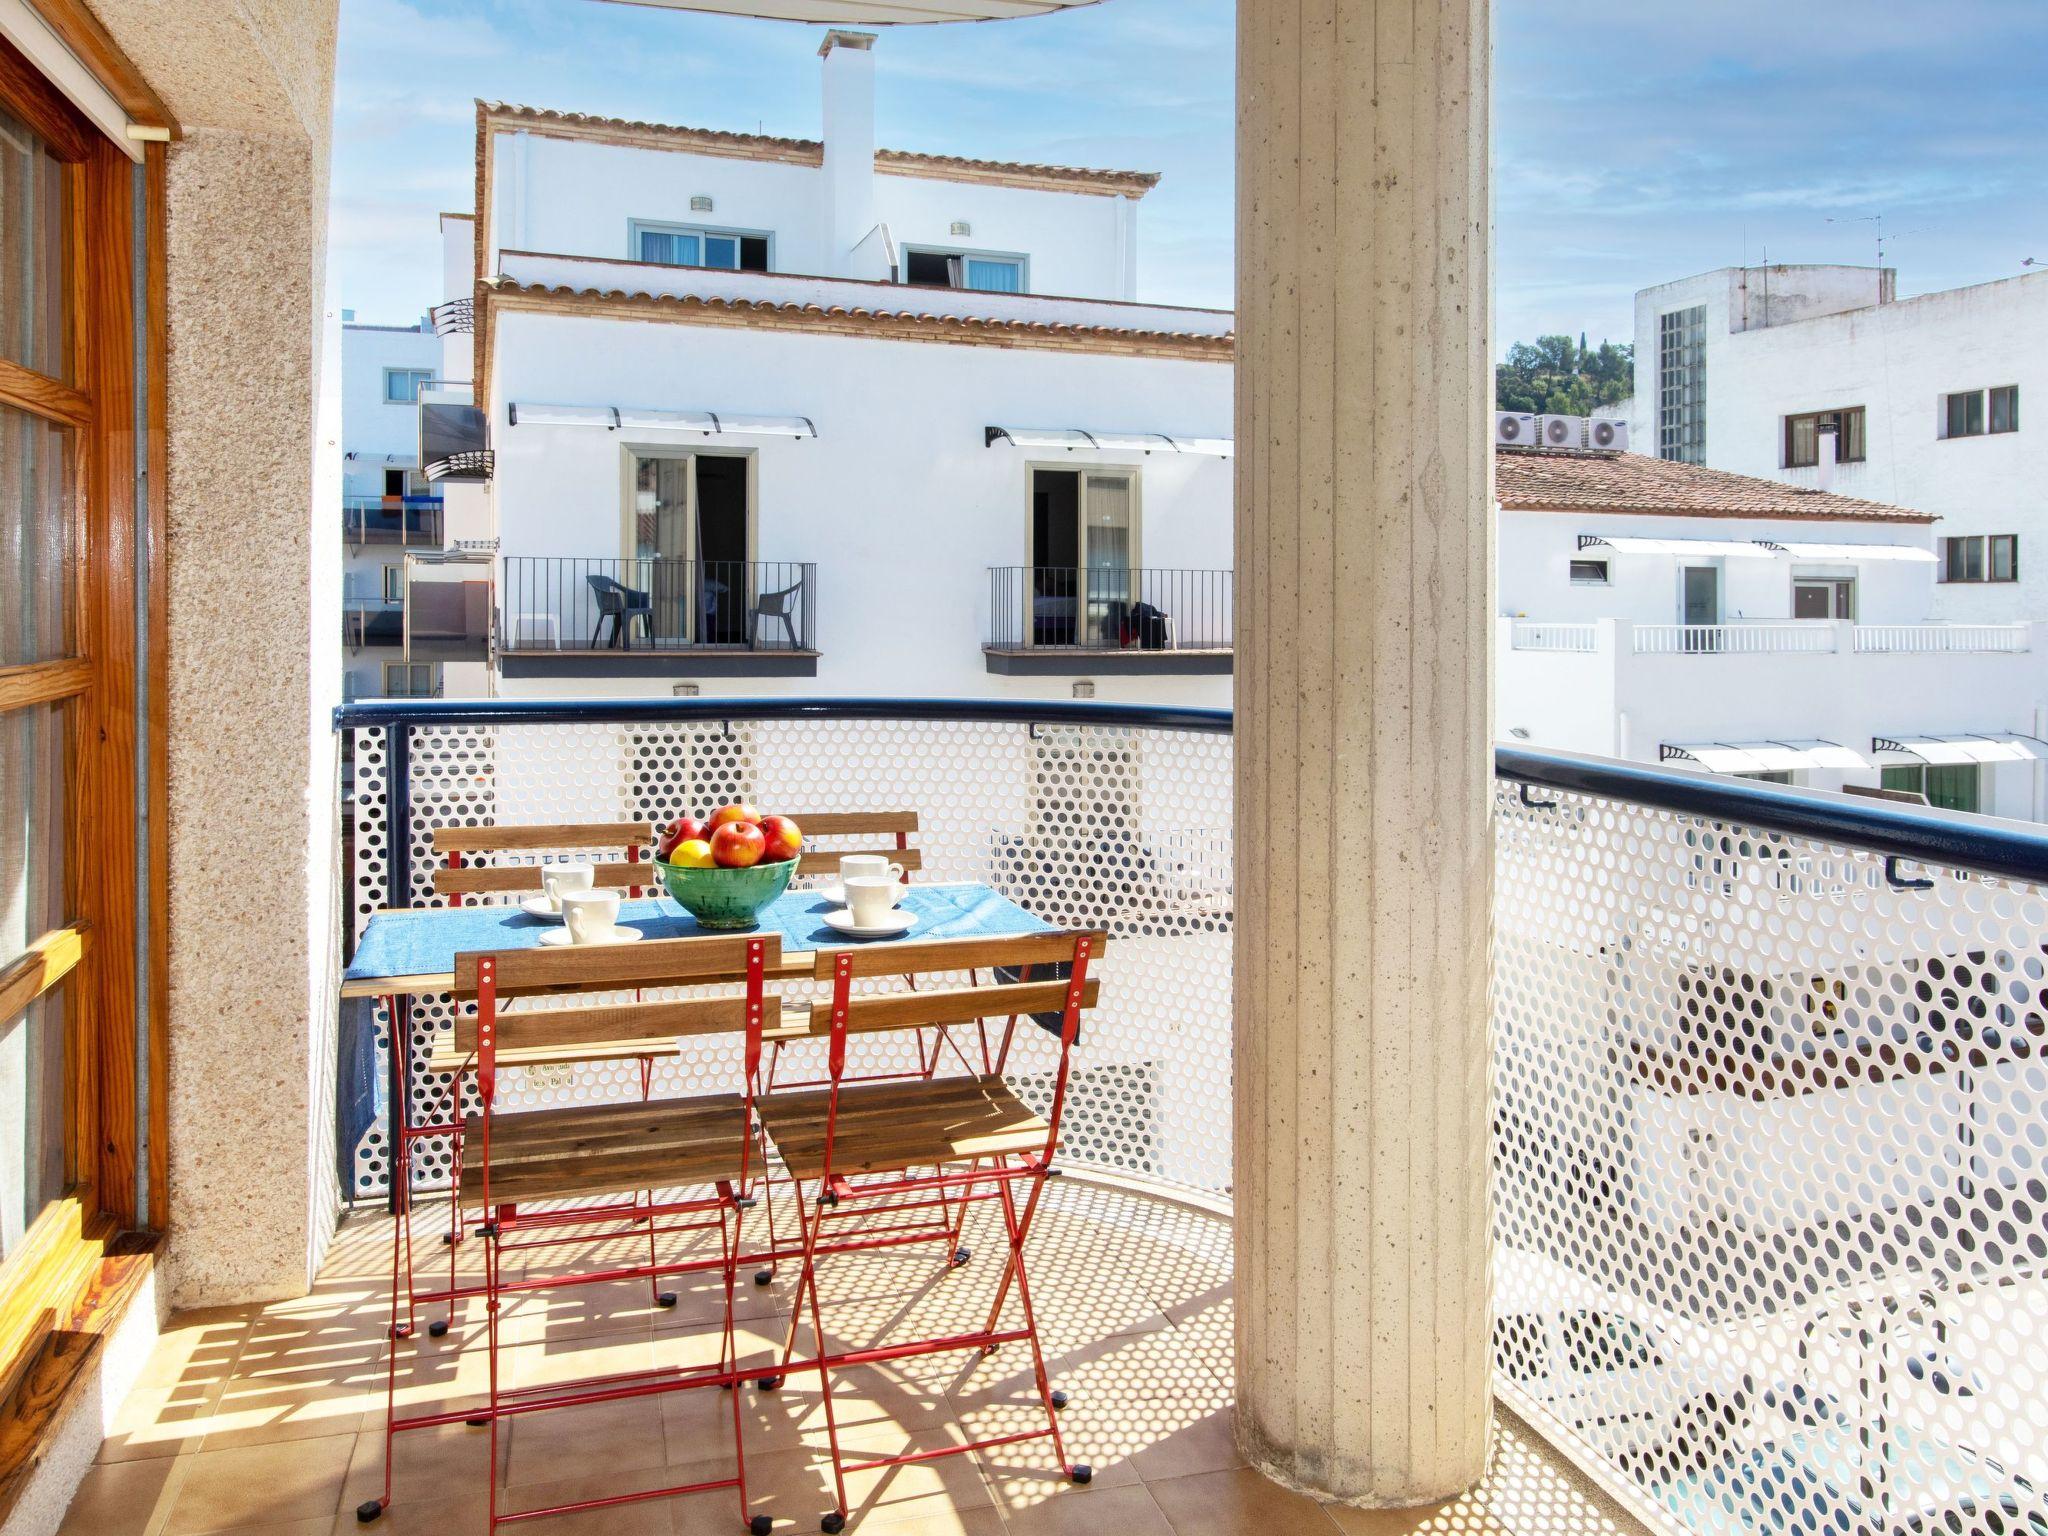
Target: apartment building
1738,368
1670,613
762,413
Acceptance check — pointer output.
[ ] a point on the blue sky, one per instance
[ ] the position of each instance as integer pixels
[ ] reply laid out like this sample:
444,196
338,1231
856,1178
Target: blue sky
1633,145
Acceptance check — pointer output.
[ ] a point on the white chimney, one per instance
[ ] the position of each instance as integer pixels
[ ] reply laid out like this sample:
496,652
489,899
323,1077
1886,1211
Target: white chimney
849,72
1826,452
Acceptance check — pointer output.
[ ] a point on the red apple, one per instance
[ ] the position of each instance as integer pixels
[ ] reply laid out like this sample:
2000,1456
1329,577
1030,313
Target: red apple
783,836
737,845
677,832
739,811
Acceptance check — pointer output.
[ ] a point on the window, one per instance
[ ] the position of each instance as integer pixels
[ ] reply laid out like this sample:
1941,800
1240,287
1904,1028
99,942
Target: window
683,245
1948,786
1682,385
1824,597
958,269
1974,412
394,583
394,482
1802,437
1589,573
80,1085
402,386
1981,557
2005,409
410,680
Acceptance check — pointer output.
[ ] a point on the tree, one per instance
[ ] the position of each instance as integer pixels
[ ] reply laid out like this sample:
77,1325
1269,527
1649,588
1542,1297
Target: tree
1561,377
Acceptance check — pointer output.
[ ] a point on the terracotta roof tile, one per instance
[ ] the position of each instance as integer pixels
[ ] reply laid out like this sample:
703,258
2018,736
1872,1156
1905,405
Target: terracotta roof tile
1563,480
811,151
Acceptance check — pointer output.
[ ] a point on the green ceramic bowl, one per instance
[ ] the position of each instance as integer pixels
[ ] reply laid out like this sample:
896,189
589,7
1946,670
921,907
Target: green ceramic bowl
726,898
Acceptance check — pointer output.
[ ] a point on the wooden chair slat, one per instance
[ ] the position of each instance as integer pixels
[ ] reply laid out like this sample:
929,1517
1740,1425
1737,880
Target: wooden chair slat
891,1126
581,834
656,963
826,861
601,1022
953,1005
854,823
482,879
904,959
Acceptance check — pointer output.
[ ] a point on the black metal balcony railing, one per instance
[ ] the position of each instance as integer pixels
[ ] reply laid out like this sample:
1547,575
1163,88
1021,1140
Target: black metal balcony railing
392,520
1108,608
559,603
1769,1069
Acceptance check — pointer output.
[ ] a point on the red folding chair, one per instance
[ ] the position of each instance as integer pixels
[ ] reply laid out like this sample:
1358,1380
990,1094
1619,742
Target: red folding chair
553,1178
856,1147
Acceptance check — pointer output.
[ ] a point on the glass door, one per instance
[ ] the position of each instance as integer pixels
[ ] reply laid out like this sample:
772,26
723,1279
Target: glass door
1824,599
659,573
1108,545
1700,606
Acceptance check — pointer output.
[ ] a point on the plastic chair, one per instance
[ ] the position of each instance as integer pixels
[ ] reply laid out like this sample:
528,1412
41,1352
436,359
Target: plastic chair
775,605
622,605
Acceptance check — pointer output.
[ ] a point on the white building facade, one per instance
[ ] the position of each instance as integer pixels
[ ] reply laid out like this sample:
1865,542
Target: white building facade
1737,368
1661,612
772,414
388,507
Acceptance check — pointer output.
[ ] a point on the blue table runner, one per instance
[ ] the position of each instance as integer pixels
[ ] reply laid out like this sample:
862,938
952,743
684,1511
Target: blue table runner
426,942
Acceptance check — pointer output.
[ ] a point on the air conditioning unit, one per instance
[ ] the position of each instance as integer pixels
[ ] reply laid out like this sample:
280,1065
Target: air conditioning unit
1603,432
1514,429
1561,431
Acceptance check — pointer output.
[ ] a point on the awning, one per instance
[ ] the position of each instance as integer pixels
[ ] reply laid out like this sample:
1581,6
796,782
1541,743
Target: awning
1989,747
1071,438
1733,549
634,418
454,443
1853,551
1762,756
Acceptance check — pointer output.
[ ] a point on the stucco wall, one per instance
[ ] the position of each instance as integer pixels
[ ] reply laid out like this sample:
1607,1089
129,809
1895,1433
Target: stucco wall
254,584
1897,361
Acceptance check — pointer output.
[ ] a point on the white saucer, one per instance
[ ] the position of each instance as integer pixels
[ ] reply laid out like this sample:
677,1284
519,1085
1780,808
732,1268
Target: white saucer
621,934
541,906
898,922
836,893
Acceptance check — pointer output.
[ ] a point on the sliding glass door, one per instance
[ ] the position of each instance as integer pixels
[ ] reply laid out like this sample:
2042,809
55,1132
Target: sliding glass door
1084,552
690,545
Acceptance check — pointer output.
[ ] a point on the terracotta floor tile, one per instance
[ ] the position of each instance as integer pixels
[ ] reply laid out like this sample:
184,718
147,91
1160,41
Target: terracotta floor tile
254,1485
426,1464
130,1498
160,1421
615,1436
1126,1511
1234,1502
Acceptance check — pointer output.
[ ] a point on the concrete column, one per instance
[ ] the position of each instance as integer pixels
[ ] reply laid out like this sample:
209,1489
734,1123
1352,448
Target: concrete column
1364,873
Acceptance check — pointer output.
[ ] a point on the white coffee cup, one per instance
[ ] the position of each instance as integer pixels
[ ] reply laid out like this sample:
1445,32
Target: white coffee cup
560,880
871,900
869,866
591,915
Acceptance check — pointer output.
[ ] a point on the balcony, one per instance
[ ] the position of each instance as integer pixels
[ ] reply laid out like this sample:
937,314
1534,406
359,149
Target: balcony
1627,690
1047,621
400,520
368,617
1768,1172
573,617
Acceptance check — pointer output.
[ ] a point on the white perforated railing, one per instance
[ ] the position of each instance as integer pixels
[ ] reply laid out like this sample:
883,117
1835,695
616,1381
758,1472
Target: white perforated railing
1540,635
1120,826
1771,1120
2001,639
1771,1098
1733,639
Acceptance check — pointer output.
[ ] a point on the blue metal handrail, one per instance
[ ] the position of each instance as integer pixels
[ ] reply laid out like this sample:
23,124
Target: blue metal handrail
1924,835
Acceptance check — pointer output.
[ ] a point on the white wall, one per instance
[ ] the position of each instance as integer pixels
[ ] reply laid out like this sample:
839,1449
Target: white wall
458,281
898,501
1616,702
371,427
1536,550
580,198
1896,360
